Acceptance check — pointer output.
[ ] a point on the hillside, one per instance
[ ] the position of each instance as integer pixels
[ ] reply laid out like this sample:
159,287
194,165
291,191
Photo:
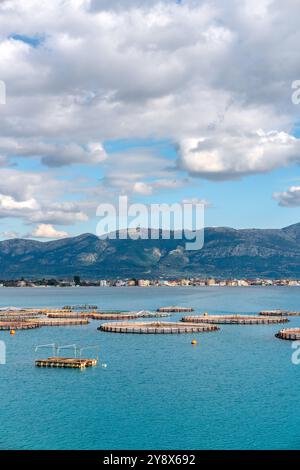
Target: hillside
226,253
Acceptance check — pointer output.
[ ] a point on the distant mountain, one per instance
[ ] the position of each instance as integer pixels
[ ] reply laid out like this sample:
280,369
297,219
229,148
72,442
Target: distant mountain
227,253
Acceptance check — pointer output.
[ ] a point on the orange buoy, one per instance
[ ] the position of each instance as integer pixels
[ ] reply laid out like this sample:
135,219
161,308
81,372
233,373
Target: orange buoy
194,341
12,332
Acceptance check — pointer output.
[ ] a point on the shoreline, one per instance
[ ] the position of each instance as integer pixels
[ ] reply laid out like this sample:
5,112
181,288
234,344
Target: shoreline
146,287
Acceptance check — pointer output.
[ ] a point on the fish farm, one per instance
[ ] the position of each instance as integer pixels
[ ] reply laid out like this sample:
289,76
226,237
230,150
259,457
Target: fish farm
234,319
156,327
291,334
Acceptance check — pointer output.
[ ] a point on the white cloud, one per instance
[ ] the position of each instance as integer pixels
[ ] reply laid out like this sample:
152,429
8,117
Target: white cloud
53,154
154,69
289,198
46,231
142,188
146,189
196,201
230,156
9,203
127,171
9,234
57,214
205,75
33,198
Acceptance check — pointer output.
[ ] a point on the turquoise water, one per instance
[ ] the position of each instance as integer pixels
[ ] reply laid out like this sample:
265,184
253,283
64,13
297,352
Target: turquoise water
237,389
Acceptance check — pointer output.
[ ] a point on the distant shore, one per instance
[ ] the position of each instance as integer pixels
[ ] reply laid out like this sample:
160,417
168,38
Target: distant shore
133,282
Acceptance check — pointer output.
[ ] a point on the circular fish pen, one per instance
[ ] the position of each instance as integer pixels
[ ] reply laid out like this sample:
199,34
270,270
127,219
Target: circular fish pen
18,315
148,314
291,334
114,316
69,315
62,322
156,327
279,313
174,309
108,315
18,325
17,318
234,319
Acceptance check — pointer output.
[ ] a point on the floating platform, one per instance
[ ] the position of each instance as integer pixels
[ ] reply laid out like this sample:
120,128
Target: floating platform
291,334
23,325
174,309
279,313
156,327
66,362
234,319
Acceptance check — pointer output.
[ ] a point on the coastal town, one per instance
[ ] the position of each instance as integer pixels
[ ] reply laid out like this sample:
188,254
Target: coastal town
76,281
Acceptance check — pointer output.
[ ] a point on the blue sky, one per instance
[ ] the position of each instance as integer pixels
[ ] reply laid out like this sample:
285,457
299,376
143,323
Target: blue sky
161,101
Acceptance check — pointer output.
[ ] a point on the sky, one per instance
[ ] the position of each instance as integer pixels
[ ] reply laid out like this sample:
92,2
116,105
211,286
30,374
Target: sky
161,101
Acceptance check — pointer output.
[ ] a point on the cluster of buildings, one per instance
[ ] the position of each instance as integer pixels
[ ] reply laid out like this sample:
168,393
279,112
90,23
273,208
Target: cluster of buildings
210,282
193,282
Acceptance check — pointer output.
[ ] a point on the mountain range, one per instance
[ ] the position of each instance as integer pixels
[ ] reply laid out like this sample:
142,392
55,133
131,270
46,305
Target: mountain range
227,253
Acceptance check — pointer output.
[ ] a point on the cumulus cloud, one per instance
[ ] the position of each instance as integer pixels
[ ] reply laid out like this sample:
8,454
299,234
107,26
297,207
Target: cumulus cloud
146,189
289,198
31,197
139,171
23,185
60,214
155,69
46,231
142,188
213,78
9,203
9,234
230,156
53,154
195,201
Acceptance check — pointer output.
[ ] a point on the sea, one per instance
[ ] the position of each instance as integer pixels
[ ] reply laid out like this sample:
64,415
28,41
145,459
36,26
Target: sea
238,388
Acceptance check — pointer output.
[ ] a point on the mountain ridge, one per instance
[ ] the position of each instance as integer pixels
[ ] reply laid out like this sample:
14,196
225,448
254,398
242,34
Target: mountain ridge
227,253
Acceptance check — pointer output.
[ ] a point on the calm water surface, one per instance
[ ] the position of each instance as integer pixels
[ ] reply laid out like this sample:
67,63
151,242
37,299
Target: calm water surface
237,389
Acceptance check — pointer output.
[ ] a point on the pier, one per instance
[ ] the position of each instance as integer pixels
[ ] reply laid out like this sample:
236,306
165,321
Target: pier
156,327
234,319
66,362
291,334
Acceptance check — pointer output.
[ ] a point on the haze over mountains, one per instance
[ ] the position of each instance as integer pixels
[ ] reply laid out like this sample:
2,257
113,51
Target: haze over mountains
227,253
